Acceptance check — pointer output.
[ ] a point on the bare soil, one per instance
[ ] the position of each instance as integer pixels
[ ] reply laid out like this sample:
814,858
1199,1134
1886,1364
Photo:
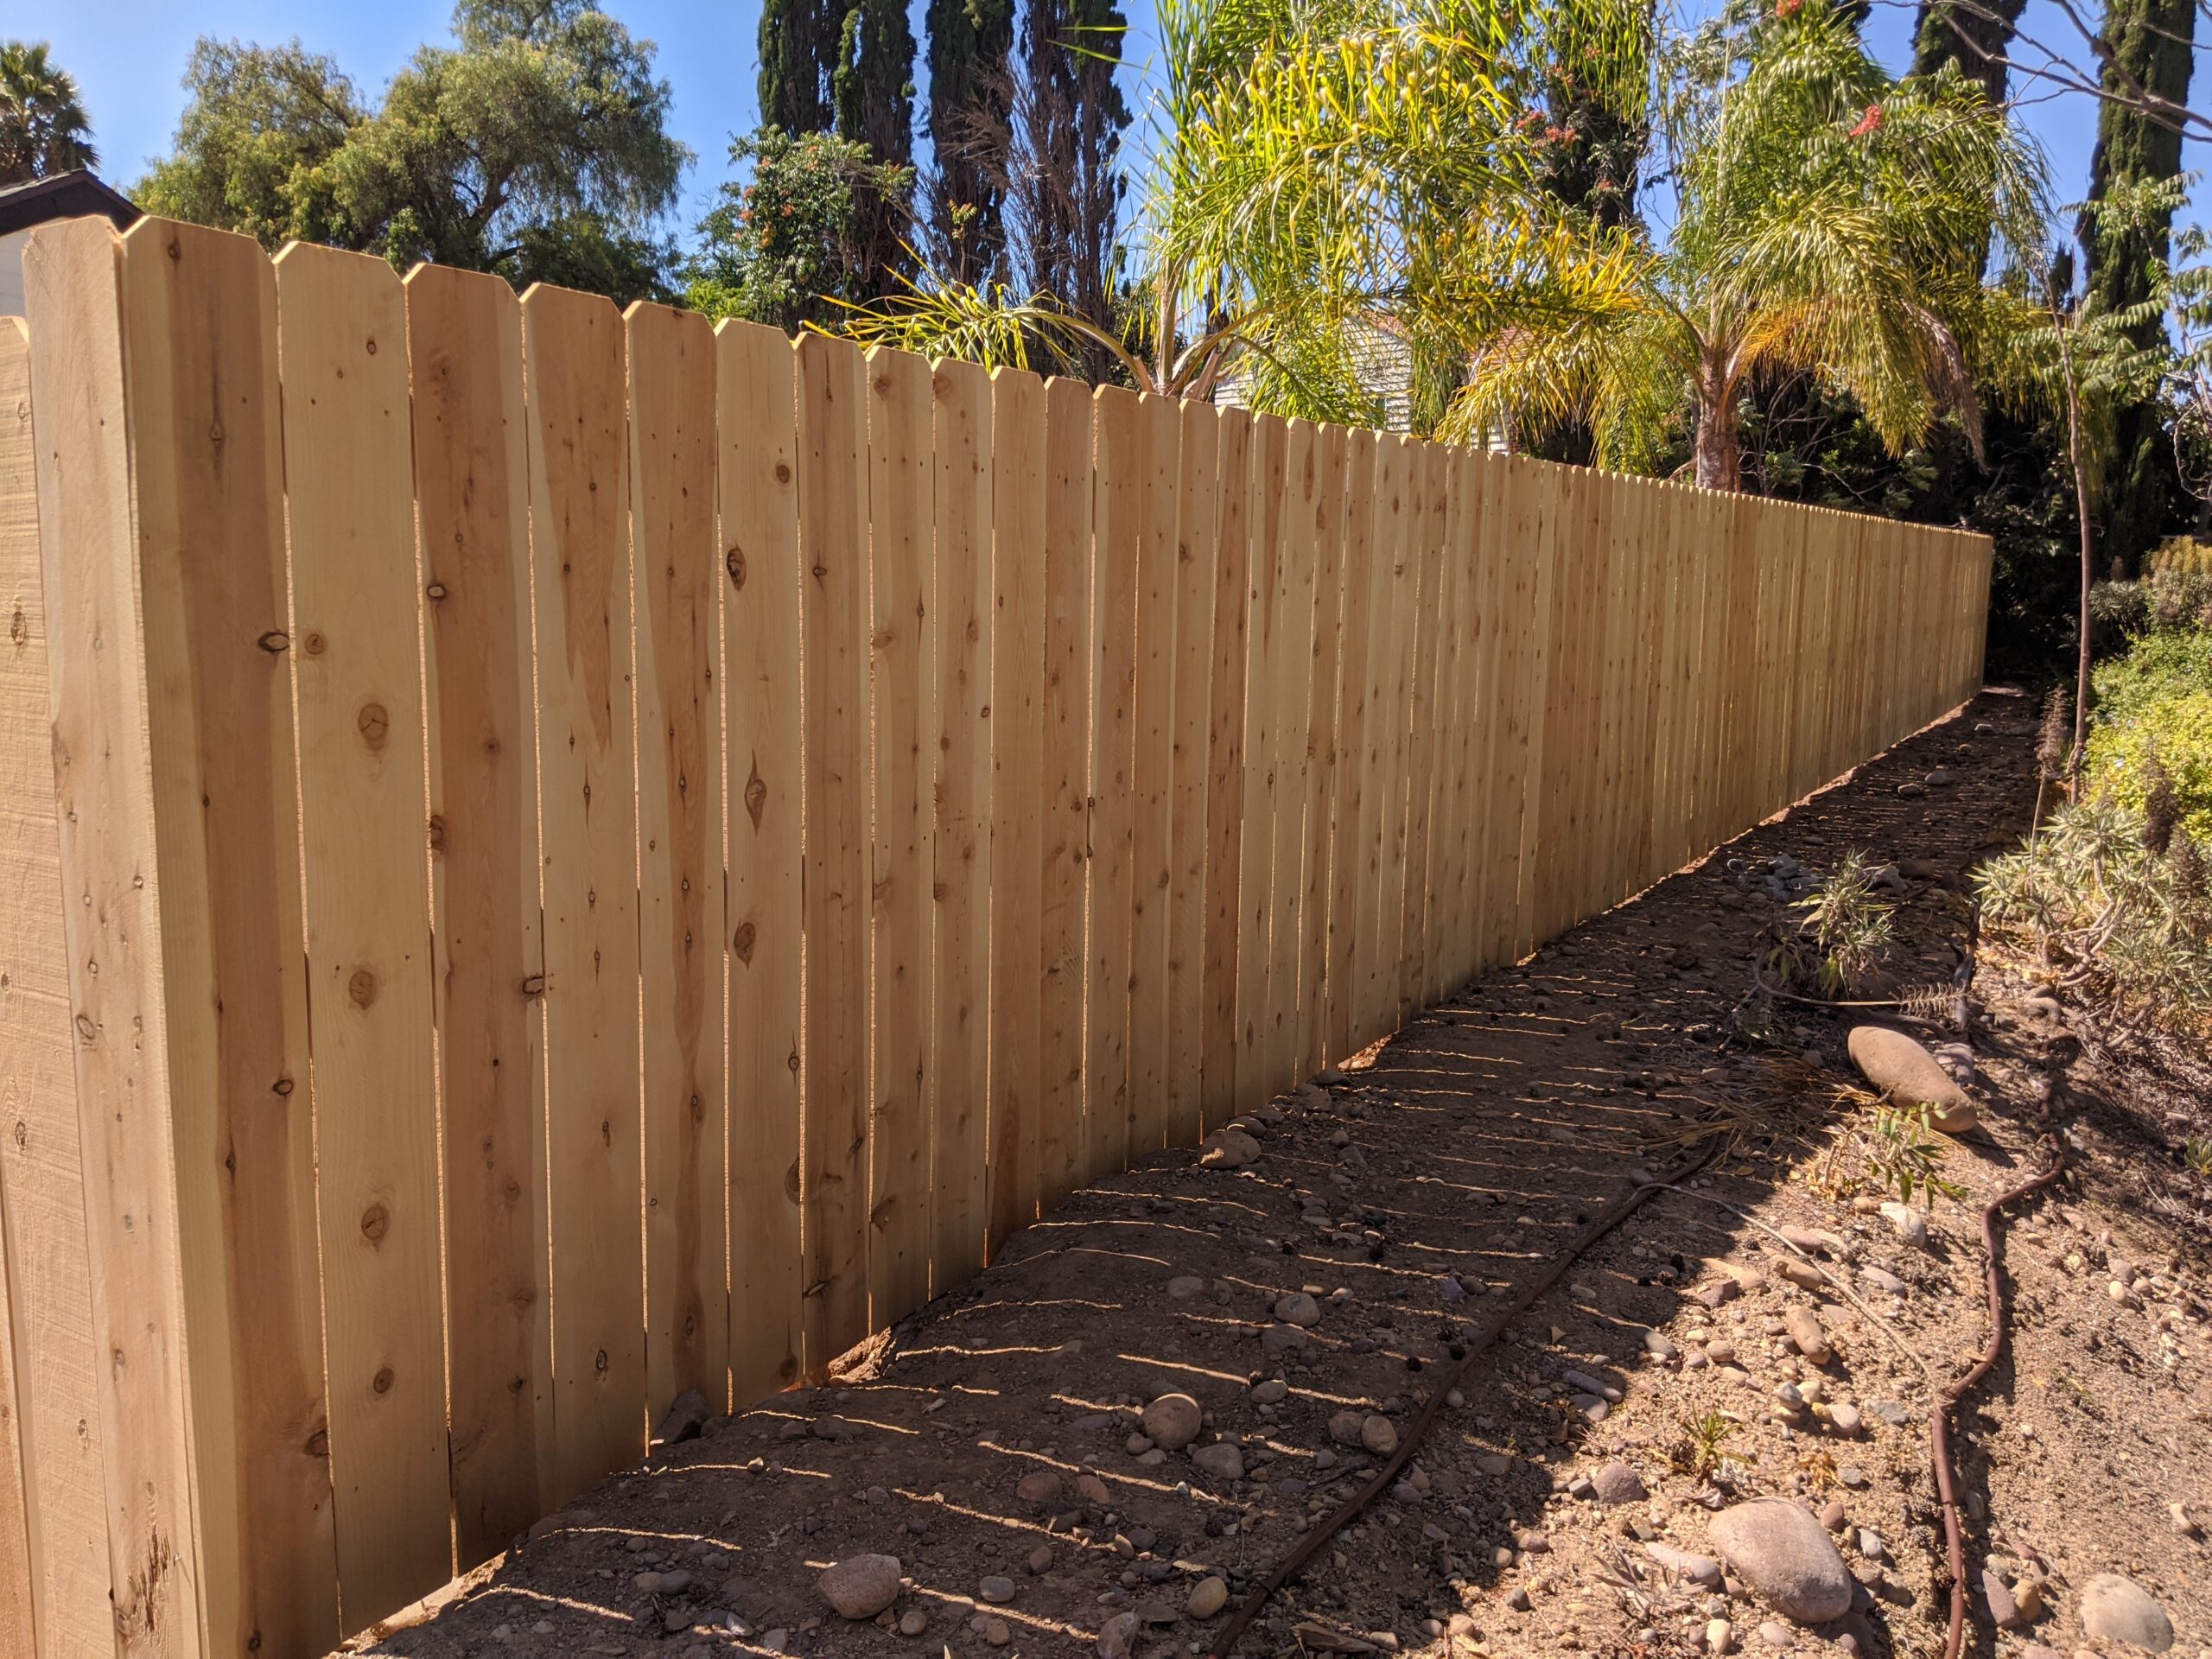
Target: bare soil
1472,1145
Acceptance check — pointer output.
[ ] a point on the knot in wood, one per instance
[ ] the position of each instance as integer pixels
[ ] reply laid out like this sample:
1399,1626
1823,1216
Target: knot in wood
362,987
376,1222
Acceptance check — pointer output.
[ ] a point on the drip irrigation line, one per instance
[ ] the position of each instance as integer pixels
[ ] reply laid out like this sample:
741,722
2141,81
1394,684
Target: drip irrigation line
1316,1537
1947,1399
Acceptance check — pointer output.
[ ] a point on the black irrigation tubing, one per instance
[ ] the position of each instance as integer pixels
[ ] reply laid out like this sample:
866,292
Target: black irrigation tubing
1290,1567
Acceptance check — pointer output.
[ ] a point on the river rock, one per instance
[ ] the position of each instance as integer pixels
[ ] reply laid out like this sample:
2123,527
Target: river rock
997,1590
1344,1427
1618,1484
1911,1224
1117,1636
1173,1420
1804,1329
1038,1486
1221,1460
1233,1149
1298,1308
1378,1435
1208,1597
1906,1072
1785,1558
2120,1610
861,1586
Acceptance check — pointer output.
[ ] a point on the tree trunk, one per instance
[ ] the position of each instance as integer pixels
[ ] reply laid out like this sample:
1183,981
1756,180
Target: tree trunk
1720,445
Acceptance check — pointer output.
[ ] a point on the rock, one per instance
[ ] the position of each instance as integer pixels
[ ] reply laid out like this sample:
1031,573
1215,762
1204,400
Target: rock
1911,1224
1805,1330
1091,1490
1844,1418
1956,1059
1117,1636
1208,1597
1618,1483
2004,1612
1154,1612
2120,1610
1229,1149
1655,1345
996,1590
1272,1391
1518,1600
1040,1559
1185,1287
1173,1420
1799,1273
1785,1557
995,1632
1870,1545
1283,1339
1590,1384
1774,1633
1832,1515
1221,1460
1719,1636
2184,1522
1851,1476
1298,1308
686,1415
1379,1435
1901,1068
861,1586
1700,1570
913,1622
663,1584
1882,1280
1038,1486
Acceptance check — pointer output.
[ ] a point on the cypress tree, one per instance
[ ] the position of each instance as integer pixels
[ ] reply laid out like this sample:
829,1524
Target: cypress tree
2150,43
970,98
1063,172
798,50
872,91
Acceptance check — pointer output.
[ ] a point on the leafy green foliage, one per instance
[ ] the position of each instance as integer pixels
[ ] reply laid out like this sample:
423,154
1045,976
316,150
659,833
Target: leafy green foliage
2112,919
43,127
255,148
1832,222
1847,928
537,147
2156,719
788,246
1904,1155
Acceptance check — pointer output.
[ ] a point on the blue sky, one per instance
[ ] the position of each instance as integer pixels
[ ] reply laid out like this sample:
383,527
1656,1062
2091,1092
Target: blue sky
129,55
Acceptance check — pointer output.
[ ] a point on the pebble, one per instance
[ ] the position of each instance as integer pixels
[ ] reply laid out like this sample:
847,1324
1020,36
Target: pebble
1041,1558
1656,1345
861,1586
1117,1636
1911,1224
1700,1570
1208,1597
2119,1610
1091,1490
995,1632
1184,1287
1832,1515
1590,1384
1518,1600
1378,1435
1774,1633
913,1622
1271,1392
1884,1281
1173,1420
1719,1636
1851,1476
996,1590
1799,1273
1844,1418
1870,1545
1785,1557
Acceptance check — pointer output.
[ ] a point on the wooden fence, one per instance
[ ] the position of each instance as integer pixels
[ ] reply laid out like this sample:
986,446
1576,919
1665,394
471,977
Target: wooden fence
553,856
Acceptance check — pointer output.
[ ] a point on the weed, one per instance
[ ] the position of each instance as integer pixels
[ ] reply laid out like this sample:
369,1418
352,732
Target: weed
1698,1454
1904,1155
1847,928
2197,1153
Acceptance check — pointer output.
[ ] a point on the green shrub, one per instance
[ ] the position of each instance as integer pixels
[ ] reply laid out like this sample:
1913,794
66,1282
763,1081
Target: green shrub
2157,699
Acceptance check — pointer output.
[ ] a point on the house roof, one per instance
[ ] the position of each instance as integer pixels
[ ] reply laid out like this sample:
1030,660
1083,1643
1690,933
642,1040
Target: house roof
62,195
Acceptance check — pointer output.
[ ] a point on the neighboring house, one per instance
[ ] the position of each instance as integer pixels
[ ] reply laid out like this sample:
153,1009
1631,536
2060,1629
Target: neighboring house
1384,367
59,195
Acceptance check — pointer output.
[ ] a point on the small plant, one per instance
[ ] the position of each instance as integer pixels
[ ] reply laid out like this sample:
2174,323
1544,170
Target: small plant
2196,1155
1848,928
1698,1454
1904,1155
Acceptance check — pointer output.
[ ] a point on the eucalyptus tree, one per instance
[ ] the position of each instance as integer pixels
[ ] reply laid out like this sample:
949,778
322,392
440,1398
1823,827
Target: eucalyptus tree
1831,220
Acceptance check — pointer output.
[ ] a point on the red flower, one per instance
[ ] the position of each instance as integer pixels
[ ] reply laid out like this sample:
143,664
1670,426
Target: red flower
1869,121
1789,8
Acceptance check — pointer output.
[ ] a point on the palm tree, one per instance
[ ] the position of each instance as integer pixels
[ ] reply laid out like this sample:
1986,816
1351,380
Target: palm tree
1831,221
43,128
1321,164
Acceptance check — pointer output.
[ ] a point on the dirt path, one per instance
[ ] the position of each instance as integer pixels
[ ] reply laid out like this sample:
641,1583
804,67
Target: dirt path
993,1443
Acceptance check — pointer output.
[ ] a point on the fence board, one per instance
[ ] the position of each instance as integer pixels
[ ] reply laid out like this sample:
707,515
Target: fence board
1255,1079
1196,555
1311,1051
48,1300
834,618
1062,1132
758,491
1019,456
1118,536
902,1208
676,606
1225,770
1351,783
574,379
464,348
961,848
1290,758
1153,775
363,817
1381,917
15,1592
1419,594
